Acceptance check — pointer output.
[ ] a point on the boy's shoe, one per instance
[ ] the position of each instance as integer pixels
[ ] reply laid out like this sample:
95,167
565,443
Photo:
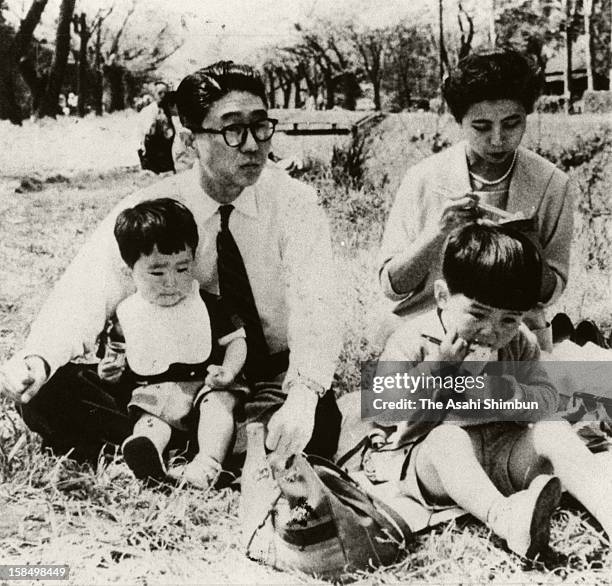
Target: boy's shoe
143,459
523,519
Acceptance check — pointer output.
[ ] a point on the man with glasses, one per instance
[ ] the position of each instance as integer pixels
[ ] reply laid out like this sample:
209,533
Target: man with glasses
264,247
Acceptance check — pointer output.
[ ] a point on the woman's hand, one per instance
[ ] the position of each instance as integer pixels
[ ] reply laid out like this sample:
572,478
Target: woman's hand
458,211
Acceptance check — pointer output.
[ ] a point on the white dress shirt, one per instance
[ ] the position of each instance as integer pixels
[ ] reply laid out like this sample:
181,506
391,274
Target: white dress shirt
284,240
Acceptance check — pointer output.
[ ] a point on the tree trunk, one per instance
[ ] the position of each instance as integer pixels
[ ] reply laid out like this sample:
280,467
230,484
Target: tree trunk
17,59
49,102
272,89
9,109
98,90
588,13
442,49
492,32
568,51
298,92
114,78
330,98
23,38
84,35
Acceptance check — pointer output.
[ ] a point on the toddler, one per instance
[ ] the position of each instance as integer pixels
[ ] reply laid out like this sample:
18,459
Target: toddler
172,340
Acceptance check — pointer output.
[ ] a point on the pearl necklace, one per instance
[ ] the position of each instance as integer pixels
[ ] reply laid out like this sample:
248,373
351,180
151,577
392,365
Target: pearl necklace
496,181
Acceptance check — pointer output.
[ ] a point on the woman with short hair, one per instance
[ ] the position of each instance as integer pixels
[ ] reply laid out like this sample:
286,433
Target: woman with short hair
486,175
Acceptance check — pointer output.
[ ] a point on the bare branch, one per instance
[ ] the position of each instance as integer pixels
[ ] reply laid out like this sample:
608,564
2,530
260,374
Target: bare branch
115,44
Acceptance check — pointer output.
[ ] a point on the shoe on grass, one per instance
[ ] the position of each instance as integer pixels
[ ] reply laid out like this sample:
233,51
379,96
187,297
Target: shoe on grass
523,519
202,472
143,458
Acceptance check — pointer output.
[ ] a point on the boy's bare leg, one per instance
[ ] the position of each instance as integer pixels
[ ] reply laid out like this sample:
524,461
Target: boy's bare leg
449,471
582,474
215,433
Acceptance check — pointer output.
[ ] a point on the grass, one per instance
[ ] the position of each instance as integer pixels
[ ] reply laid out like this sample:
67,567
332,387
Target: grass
108,528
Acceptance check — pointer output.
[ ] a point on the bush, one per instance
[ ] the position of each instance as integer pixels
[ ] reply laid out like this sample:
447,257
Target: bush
580,151
348,162
597,102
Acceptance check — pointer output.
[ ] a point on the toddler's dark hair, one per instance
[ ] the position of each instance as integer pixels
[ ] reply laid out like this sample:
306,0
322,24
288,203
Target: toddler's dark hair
500,75
165,223
493,264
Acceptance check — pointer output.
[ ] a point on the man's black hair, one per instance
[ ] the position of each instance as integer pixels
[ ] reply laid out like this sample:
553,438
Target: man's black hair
165,223
494,265
200,90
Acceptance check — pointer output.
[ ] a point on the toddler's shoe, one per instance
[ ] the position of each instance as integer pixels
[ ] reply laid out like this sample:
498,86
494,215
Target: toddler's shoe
143,458
523,519
202,472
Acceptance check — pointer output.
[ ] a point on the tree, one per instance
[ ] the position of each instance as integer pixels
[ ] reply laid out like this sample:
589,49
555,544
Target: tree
466,26
588,15
371,45
14,57
85,30
530,27
9,108
132,48
49,98
410,60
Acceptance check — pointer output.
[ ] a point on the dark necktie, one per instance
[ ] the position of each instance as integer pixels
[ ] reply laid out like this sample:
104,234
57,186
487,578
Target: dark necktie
237,294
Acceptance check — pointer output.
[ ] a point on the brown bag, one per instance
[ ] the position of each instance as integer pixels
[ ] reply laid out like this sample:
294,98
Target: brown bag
306,514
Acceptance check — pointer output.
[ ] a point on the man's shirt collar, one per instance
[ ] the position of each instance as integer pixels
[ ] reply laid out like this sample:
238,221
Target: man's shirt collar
245,203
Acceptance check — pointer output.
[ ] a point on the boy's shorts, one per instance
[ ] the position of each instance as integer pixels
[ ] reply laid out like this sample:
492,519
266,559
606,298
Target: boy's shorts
505,451
172,402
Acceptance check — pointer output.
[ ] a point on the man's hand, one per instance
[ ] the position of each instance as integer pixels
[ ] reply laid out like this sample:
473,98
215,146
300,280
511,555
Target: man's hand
21,378
219,377
109,370
291,427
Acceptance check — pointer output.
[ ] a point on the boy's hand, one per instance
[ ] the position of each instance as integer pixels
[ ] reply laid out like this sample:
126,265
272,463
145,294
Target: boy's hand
453,349
219,377
109,370
21,378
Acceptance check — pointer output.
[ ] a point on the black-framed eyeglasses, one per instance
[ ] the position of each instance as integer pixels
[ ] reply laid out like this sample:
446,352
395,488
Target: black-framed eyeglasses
235,135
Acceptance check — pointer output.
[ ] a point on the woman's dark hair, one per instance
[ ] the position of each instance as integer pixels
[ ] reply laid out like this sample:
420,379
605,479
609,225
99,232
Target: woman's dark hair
198,91
164,223
502,75
493,264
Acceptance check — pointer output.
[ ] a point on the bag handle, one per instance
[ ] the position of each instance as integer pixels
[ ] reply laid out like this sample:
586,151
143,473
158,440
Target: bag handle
359,504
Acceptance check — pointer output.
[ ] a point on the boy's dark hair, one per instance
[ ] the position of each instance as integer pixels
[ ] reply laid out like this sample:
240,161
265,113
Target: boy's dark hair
500,75
165,223
200,90
493,264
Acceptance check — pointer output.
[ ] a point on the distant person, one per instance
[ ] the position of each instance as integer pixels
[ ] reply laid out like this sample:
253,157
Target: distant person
156,132
264,247
184,352
494,460
488,174
73,102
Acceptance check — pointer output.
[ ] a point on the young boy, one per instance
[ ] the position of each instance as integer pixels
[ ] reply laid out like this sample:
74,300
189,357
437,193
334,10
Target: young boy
493,462
170,350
